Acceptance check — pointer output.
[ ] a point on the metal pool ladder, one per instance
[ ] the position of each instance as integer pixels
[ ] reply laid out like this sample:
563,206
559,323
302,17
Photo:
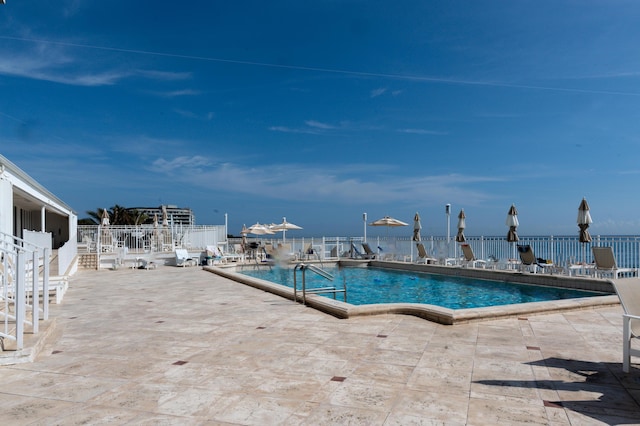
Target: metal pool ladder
316,290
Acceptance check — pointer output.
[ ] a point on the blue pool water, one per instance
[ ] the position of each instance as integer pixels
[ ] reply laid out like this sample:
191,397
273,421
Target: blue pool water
371,286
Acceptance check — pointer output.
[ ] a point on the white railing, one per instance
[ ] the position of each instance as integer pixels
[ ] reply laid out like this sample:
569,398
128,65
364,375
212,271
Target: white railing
21,286
559,249
147,238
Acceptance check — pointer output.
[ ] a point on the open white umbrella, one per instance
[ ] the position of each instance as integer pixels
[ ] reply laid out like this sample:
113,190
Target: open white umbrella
259,229
388,222
284,227
461,225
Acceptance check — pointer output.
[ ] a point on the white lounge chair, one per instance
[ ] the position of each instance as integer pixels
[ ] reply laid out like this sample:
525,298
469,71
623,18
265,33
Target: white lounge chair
184,259
469,258
629,294
531,262
368,253
423,256
606,263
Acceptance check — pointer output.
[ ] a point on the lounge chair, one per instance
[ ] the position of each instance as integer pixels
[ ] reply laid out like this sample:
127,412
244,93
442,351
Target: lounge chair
368,253
529,260
216,255
354,253
629,294
469,258
423,256
285,252
184,259
606,263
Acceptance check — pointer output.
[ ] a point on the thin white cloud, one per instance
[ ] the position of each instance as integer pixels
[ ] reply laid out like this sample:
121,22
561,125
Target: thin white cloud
319,125
374,93
179,163
377,92
422,132
341,183
189,114
285,129
311,127
178,93
56,67
54,63
164,75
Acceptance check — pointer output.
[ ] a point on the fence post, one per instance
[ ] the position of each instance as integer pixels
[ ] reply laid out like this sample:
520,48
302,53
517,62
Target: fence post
35,291
20,298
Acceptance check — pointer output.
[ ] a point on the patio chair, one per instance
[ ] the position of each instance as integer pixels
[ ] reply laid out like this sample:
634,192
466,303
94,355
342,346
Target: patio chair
606,263
184,259
423,256
629,294
284,252
214,255
469,258
529,260
368,253
354,253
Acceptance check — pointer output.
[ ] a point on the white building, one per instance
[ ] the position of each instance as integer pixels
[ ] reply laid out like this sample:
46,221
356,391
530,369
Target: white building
30,212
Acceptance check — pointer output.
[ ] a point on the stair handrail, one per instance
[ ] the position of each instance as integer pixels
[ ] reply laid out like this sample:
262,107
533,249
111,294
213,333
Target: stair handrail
304,267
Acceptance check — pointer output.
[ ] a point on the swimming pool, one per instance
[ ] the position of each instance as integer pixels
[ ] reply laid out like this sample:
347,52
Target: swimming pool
370,285
599,293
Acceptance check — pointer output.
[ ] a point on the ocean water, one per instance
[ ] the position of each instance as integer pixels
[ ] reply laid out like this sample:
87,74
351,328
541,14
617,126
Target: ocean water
372,286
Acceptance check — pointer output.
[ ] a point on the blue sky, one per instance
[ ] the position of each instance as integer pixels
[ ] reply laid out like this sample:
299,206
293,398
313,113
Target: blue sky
320,111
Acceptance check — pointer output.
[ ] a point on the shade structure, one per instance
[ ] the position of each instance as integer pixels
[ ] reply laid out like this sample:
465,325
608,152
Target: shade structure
461,225
244,233
165,217
388,222
156,234
259,229
416,228
105,218
284,227
512,223
584,220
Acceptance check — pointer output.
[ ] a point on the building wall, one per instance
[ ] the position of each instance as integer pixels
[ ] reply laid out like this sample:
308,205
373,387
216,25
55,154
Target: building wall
6,206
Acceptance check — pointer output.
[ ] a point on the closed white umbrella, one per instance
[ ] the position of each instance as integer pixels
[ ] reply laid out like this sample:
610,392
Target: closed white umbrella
461,225
105,217
512,223
417,226
584,220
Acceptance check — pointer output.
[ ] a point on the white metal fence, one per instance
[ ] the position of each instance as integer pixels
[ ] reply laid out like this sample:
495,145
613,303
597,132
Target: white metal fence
148,238
561,250
24,276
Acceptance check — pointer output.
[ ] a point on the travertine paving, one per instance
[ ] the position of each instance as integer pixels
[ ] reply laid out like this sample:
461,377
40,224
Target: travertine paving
182,346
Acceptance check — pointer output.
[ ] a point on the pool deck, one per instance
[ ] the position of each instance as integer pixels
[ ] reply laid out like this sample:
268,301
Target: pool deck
183,346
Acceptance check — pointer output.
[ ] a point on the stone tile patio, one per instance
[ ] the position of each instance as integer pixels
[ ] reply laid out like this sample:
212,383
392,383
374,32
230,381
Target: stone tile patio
186,347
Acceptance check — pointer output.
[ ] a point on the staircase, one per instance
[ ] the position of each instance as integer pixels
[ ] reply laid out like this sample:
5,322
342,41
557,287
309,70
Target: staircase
88,261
